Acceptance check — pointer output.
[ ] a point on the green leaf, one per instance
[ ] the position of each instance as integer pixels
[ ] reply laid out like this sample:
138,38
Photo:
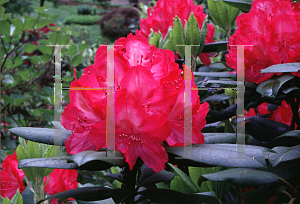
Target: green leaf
18,61
155,40
18,98
217,97
49,152
3,2
242,176
222,14
119,195
293,133
215,74
98,159
43,22
30,23
45,58
5,28
46,50
42,135
284,154
177,184
17,22
6,16
244,5
280,68
196,172
270,87
203,34
8,100
169,44
21,155
76,60
220,155
48,162
72,50
24,74
178,37
2,11
30,47
193,33
17,198
185,178
115,171
82,47
6,201
84,194
215,47
167,38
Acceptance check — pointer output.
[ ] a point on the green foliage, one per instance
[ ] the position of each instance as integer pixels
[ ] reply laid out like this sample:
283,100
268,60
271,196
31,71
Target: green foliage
18,6
84,10
82,19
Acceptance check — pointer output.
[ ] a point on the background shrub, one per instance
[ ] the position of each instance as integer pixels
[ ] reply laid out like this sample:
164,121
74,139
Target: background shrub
119,23
84,10
82,19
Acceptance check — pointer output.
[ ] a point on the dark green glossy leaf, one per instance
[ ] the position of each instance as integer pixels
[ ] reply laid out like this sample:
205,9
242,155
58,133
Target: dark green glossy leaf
220,155
265,130
244,5
85,194
216,97
293,133
119,195
215,74
42,135
215,47
99,159
284,154
178,184
203,34
214,138
242,176
280,68
148,176
270,87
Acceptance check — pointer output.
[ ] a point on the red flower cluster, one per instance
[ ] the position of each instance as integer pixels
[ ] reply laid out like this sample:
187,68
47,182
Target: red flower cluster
282,114
272,27
149,104
161,18
12,179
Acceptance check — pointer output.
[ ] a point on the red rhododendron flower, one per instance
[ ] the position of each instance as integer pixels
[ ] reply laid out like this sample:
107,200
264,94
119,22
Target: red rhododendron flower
60,180
272,27
282,114
11,177
161,18
148,104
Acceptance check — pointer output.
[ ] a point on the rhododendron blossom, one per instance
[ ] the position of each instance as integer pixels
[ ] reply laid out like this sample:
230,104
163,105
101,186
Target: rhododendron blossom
161,18
272,27
11,177
282,114
149,104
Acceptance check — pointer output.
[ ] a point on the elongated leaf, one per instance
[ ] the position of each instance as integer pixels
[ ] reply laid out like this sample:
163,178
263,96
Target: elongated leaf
17,22
119,195
148,178
222,14
193,33
84,194
178,184
293,133
5,28
185,178
284,154
280,68
29,23
203,34
17,198
242,176
285,170
22,154
215,47
228,155
265,130
213,138
244,5
154,40
166,196
215,74
270,87
99,159
216,97
42,135
49,162
178,37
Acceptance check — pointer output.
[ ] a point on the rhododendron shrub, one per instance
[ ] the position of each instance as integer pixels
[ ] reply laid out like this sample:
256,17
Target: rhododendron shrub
162,15
149,104
272,27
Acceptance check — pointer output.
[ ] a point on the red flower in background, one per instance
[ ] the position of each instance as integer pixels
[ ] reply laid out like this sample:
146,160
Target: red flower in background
161,18
11,177
282,114
148,98
272,27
